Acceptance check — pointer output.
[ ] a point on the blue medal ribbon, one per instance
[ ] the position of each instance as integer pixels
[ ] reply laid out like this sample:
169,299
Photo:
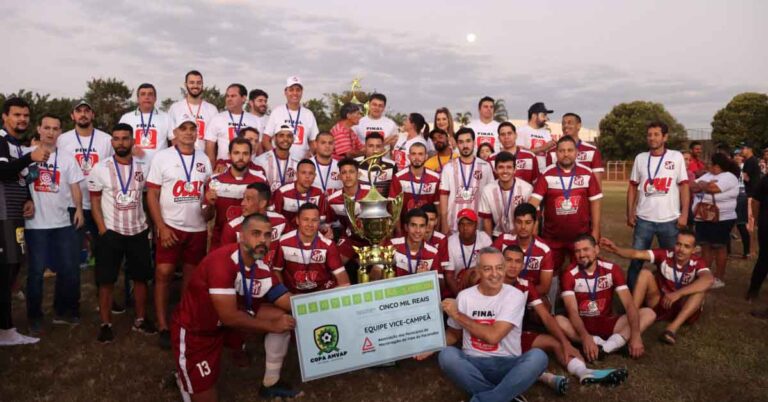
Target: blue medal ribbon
280,172
528,254
247,288
187,173
508,205
471,254
679,283
467,184
323,183
413,188
86,152
308,198
566,192
238,125
294,124
123,186
651,179
301,248
592,292
408,256
144,127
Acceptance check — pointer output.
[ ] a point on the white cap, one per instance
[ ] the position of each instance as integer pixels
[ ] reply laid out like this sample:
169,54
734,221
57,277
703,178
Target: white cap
285,127
293,80
186,119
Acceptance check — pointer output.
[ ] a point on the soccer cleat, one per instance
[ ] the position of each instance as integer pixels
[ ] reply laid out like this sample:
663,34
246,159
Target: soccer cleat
11,337
145,326
607,377
278,390
105,334
561,384
165,339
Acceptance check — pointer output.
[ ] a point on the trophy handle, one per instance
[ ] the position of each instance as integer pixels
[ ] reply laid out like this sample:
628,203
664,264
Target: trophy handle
349,208
397,207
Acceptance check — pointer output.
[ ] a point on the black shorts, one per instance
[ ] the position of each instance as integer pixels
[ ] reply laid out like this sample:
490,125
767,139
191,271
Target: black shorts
11,239
714,233
112,248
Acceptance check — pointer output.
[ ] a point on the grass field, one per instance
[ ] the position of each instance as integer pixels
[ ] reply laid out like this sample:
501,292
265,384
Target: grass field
721,358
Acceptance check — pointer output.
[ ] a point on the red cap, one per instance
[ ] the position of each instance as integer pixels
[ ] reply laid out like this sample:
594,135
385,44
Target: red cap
467,213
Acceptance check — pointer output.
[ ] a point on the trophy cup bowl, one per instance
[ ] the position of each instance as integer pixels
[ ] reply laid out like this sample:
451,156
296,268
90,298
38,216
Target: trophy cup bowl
374,223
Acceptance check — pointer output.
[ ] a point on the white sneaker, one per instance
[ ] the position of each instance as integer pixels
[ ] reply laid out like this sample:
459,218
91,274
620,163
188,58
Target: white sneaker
19,295
10,337
717,284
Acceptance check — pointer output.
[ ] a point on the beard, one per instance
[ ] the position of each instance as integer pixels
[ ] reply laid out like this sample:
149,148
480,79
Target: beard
466,152
240,166
195,93
123,152
585,265
440,146
258,252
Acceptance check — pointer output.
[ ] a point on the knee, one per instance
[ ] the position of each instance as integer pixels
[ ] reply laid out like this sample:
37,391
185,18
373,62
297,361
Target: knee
448,357
538,359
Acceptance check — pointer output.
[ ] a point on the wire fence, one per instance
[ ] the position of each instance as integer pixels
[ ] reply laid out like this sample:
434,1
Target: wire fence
618,171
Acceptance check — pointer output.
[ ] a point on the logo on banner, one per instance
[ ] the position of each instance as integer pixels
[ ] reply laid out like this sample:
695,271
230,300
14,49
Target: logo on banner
368,346
327,339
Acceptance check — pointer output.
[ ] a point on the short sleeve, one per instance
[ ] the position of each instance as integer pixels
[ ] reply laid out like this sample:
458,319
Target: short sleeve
634,177
395,188
540,188
681,171
567,284
595,192
445,183
312,130
278,263
484,206
658,255
155,176
619,282
95,183
597,162
221,279
548,262
512,310
74,173
277,201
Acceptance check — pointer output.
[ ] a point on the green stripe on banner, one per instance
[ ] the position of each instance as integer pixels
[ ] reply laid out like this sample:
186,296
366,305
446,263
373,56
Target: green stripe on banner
367,297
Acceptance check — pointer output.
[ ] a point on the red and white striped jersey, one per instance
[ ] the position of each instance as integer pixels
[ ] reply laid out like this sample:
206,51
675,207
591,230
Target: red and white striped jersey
426,258
606,279
123,213
537,256
670,274
307,267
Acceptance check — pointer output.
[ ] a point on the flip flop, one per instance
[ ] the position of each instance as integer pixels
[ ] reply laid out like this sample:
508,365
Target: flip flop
668,337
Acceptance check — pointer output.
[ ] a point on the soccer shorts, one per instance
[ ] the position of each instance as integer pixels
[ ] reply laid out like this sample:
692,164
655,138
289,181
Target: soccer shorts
669,314
526,340
198,358
112,247
600,326
190,248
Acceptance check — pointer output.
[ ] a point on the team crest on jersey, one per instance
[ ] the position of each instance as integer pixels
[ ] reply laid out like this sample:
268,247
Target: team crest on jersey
138,176
578,180
200,167
334,175
669,165
533,264
317,256
517,200
520,164
428,188
581,156
478,175
381,176
289,172
602,283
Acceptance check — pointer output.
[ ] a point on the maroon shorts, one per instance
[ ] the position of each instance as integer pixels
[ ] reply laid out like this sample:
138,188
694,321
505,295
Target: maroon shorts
560,249
664,314
198,358
190,248
600,326
526,340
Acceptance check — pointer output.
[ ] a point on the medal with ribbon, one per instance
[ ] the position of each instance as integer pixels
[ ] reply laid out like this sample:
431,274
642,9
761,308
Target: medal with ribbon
467,263
592,305
651,186
307,283
679,282
237,125
323,182
566,205
188,186
280,172
409,258
247,288
466,194
122,197
528,254
416,196
85,163
146,135
506,206
294,124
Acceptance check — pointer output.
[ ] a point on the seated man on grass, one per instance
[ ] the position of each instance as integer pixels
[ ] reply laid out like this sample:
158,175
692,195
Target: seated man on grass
677,289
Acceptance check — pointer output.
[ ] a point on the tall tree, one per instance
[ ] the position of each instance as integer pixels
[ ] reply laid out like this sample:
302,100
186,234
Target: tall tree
622,130
41,104
744,118
166,104
463,118
214,96
320,109
110,99
500,113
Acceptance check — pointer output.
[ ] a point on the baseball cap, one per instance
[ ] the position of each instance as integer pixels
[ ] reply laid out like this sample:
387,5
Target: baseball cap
82,102
539,107
467,213
293,80
285,127
186,119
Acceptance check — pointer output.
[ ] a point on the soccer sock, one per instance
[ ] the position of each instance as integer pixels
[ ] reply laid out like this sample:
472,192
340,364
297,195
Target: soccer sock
276,347
613,343
578,368
548,378
598,340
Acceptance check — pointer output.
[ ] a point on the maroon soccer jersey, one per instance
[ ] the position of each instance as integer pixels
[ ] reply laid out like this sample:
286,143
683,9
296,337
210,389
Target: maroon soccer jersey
594,293
416,191
566,218
231,232
229,194
307,267
287,200
219,274
337,210
526,165
537,256
425,258
671,276
529,289
588,155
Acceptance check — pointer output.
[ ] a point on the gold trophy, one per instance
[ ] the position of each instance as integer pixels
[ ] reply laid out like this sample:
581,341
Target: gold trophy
374,224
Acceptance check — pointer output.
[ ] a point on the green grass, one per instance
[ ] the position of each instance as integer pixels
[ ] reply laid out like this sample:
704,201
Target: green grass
721,358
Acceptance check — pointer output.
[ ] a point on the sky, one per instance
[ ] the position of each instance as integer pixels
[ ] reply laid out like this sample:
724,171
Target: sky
576,56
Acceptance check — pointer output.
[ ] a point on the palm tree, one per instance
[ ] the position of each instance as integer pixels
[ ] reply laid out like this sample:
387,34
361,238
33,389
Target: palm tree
463,118
500,111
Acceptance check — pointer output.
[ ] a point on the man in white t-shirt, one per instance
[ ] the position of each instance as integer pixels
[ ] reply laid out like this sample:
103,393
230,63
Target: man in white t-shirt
499,199
463,247
257,106
461,181
50,235
487,318
227,125
151,127
658,198
194,105
116,189
299,118
175,188
375,121
486,129
535,136
86,146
